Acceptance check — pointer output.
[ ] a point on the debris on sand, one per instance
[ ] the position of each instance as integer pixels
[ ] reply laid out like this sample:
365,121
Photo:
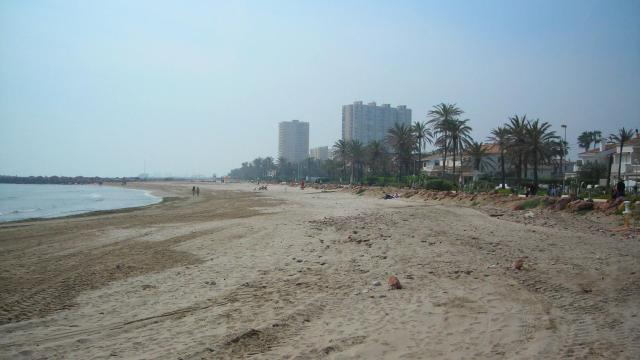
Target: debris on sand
518,264
394,283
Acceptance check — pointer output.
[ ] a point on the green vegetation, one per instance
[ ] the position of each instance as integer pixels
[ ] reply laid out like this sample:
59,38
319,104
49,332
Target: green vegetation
451,134
530,204
591,173
623,136
524,146
589,137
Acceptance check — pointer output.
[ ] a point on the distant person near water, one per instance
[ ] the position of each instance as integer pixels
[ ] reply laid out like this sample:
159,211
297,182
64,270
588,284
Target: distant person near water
193,191
198,191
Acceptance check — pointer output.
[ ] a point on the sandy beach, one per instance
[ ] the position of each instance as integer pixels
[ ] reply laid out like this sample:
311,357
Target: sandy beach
292,274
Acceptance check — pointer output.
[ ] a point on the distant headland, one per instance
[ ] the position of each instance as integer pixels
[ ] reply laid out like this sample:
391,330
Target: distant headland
62,180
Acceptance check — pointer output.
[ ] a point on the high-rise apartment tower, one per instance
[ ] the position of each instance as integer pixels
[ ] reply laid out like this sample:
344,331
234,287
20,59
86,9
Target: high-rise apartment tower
293,140
370,122
319,153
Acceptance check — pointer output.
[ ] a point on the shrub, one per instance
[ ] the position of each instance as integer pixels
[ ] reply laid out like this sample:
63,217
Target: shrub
530,204
438,184
591,173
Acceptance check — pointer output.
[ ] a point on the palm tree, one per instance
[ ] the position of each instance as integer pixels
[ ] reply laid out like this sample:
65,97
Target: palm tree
596,136
375,155
585,140
589,137
423,136
441,117
355,151
500,136
460,134
621,137
340,151
539,141
478,157
267,165
517,128
401,139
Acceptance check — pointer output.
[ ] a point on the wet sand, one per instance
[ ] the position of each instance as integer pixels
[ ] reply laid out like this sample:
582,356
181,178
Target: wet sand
291,274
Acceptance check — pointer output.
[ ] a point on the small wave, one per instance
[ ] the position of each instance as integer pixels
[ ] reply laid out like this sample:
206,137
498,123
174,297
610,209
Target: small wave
149,194
96,197
19,211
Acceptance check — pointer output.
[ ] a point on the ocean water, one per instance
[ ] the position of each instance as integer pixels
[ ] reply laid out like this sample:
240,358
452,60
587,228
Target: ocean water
26,201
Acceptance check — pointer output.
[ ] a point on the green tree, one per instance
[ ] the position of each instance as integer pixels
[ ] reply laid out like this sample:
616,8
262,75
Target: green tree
623,136
517,128
376,154
401,139
597,137
500,136
592,172
585,140
478,156
355,154
267,165
423,136
589,137
460,135
441,117
539,142
340,152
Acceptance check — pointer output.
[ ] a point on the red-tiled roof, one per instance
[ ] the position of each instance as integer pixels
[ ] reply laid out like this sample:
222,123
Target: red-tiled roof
491,148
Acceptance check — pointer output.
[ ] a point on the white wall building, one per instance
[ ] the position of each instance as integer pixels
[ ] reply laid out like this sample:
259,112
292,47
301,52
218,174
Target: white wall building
630,168
630,154
370,122
319,153
293,140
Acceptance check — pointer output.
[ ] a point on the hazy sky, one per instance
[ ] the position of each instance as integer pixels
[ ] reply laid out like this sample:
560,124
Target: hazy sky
190,87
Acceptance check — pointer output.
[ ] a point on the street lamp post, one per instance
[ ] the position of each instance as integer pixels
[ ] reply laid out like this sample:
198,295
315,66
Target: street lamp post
564,126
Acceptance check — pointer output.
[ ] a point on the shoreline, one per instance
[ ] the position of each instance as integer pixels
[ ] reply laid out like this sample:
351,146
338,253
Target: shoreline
82,213
290,273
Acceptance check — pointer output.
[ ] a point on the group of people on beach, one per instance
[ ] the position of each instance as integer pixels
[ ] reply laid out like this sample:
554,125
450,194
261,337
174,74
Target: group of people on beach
195,191
389,196
554,190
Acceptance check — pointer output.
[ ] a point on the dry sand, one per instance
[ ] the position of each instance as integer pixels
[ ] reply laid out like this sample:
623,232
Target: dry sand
290,274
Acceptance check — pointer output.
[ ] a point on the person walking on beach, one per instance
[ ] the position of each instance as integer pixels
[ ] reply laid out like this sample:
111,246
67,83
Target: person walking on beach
193,191
198,191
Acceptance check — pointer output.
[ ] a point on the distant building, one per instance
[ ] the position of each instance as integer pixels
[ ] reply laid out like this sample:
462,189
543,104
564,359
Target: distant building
630,169
370,122
319,153
491,166
293,140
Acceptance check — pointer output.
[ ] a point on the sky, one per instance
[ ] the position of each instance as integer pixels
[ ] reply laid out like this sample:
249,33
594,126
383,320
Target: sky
183,88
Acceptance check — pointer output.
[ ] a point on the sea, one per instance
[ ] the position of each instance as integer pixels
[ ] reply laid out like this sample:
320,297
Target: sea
27,201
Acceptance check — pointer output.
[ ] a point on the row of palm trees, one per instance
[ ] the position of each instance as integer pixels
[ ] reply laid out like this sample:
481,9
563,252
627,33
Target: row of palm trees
356,157
522,142
444,129
527,143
